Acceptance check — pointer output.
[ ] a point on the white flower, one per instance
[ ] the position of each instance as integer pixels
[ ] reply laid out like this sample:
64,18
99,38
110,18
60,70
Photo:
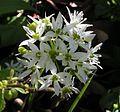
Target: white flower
58,23
35,55
36,29
41,57
55,80
67,57
69,88
94,58
34,35
86,36
56,28
50,54
33,72
76,19
81,74
59,47
47,21
17,66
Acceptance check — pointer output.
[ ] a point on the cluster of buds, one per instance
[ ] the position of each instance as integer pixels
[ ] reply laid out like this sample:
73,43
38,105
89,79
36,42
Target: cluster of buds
58,52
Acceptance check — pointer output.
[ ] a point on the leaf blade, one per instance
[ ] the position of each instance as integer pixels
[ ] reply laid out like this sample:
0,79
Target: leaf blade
74,104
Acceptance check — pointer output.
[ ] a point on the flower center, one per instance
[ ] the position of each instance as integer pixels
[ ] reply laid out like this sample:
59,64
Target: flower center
46,20
33,68
54,78
38,55
35,36
66,90
68,57
32,26
52,53
75,36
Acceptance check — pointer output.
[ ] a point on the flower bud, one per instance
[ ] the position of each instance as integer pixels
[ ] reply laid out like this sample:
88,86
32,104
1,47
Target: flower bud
115,106
4,82
14,93
32,26
8,94
22,50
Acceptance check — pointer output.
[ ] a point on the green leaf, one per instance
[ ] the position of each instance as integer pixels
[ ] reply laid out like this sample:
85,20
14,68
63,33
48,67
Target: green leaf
108,99
2,101
8,6
74,104
4,73
21,90
12,33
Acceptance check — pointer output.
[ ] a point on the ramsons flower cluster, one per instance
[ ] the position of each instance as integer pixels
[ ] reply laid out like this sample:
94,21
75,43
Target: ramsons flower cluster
58,52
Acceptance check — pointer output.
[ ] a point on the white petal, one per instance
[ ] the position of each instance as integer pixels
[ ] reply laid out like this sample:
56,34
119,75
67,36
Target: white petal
72,64
96,48
59,21
73,46
44,38
25,73
25,42
51,66
33,19
89,37
44,47
50,34
69,13
33,47
81,75
42,61
32,62
29,32
22,61
57,88
60,57
62,46
29,55
53,22
81,56
40,29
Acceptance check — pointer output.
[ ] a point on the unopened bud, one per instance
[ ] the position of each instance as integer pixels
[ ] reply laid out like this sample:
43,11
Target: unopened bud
22,50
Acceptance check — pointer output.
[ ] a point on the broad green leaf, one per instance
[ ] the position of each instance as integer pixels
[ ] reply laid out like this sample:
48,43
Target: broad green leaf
2,101
12,33
111,97
74,104
8,6
4,73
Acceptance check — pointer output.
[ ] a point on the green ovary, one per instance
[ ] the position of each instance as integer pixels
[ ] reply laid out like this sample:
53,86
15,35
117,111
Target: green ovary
68,57
66,90
52,53
35,36
38,55
32,26
54,78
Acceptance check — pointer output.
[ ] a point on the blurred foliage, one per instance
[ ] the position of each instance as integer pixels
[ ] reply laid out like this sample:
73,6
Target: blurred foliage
110,98
12,18
107,9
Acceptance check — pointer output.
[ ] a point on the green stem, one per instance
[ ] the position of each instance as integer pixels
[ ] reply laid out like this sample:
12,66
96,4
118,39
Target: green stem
31,90
74,104
22,86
